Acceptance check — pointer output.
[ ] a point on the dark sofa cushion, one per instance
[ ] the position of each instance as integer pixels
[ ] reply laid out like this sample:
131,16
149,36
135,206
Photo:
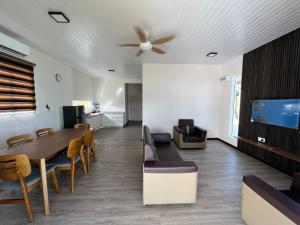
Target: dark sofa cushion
167,158
161,138
150,153
170,167
190,138
168,153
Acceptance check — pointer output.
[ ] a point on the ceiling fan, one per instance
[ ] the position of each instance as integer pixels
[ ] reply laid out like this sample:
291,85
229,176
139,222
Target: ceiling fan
146,45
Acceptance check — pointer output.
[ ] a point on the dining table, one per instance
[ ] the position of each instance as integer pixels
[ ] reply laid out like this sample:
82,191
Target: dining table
42,149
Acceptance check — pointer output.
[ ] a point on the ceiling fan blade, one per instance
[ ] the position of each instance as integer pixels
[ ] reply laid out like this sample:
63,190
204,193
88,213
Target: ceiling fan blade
129,45
158,50
140,34
139,53
163,40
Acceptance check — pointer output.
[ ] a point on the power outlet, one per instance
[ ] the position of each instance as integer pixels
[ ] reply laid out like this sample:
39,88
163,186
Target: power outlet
262,140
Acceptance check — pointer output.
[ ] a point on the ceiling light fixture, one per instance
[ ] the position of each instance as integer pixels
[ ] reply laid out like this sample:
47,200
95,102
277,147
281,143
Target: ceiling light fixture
211,54
111,70
59,17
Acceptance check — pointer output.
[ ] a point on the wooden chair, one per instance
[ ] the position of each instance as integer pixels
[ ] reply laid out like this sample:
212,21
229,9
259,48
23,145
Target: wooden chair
67,163
16,173
20,139
44,132
82,125
89,146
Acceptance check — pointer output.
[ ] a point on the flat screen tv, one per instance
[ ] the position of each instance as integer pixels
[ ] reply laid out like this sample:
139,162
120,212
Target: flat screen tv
281,112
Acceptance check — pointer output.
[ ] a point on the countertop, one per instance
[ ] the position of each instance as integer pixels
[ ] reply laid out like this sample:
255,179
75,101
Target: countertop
89,115
113,112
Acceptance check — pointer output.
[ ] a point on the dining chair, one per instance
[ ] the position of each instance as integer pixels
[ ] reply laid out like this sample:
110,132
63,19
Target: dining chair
68,163
16,173
82,125
44,132
20,139
89,146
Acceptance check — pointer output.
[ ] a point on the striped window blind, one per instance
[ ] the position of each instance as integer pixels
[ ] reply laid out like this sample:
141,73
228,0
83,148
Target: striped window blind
17,92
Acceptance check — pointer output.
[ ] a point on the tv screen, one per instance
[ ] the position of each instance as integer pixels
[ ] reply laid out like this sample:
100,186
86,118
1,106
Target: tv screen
281,112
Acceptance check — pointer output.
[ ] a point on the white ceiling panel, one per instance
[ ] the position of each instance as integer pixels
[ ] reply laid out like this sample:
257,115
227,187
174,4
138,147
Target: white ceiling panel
89,42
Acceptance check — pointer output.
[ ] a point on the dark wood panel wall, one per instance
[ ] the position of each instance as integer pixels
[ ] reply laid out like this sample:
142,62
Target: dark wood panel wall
271,71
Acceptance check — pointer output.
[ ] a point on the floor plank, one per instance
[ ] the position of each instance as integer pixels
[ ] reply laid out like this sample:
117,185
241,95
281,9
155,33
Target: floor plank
111,194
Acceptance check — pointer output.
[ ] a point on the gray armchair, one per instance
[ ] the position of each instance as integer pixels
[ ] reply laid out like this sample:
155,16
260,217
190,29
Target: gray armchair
187,136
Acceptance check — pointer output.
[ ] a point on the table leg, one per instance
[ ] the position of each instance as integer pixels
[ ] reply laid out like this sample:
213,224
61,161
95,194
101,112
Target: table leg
44,185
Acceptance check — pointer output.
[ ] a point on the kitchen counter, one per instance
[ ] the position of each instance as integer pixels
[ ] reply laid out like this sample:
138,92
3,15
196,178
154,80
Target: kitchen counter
113,119
95,120
113,112
89,115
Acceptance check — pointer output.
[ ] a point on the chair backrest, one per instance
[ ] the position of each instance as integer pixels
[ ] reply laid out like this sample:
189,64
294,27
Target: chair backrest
187,125
44,132
185,122
88,137
82,125
75,145
16,140
11,166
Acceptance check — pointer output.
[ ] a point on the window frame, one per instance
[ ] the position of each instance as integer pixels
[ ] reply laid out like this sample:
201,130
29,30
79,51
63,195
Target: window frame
233,105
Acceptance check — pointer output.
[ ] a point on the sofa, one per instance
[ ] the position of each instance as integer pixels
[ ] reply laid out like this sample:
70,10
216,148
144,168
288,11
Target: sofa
262,204
186,135
167,178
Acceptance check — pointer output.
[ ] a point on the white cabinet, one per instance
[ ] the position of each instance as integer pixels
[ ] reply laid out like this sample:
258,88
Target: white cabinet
95,121
113,119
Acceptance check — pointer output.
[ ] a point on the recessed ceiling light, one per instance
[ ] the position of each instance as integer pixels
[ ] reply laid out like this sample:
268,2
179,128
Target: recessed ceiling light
59,17
111,70
211,54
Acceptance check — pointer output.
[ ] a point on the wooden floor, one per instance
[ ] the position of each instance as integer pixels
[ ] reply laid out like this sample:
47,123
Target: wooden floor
112,192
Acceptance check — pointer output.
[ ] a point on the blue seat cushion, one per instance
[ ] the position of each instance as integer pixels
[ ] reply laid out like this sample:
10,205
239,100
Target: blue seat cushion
30,179
62,161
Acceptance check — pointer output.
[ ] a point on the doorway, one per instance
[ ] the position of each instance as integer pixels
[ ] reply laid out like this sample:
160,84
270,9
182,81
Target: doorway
133,102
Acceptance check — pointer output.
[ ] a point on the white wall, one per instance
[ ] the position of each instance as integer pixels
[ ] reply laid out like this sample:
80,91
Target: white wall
232,68
83,86
174,91
110,93
48,91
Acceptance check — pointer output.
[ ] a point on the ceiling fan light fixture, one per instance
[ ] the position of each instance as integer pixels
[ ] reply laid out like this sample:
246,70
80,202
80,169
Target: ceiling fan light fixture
145,46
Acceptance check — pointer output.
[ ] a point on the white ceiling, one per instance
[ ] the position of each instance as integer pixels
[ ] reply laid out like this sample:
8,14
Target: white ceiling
89,42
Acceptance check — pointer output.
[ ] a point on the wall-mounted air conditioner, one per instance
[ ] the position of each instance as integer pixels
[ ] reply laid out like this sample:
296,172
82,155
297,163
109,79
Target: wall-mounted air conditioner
11,46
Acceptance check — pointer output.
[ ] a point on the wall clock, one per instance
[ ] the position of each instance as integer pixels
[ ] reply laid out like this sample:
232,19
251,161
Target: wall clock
58,77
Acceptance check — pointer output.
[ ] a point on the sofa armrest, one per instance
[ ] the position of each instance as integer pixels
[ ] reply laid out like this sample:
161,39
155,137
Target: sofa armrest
170,167
179,130
281,202
200,132
161,138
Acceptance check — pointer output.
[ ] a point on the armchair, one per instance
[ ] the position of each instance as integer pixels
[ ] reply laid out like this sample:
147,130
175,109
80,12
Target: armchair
187,136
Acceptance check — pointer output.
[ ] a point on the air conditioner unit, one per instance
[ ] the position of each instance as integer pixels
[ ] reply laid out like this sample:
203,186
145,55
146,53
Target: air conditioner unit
11,46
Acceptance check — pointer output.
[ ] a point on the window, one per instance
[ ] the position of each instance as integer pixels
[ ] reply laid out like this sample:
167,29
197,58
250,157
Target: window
17,91
236,99
88,106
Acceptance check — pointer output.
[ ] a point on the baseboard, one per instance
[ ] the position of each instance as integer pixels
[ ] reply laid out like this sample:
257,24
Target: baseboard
226,143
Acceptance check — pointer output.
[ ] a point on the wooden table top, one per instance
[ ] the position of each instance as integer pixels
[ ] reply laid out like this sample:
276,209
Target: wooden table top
46,146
